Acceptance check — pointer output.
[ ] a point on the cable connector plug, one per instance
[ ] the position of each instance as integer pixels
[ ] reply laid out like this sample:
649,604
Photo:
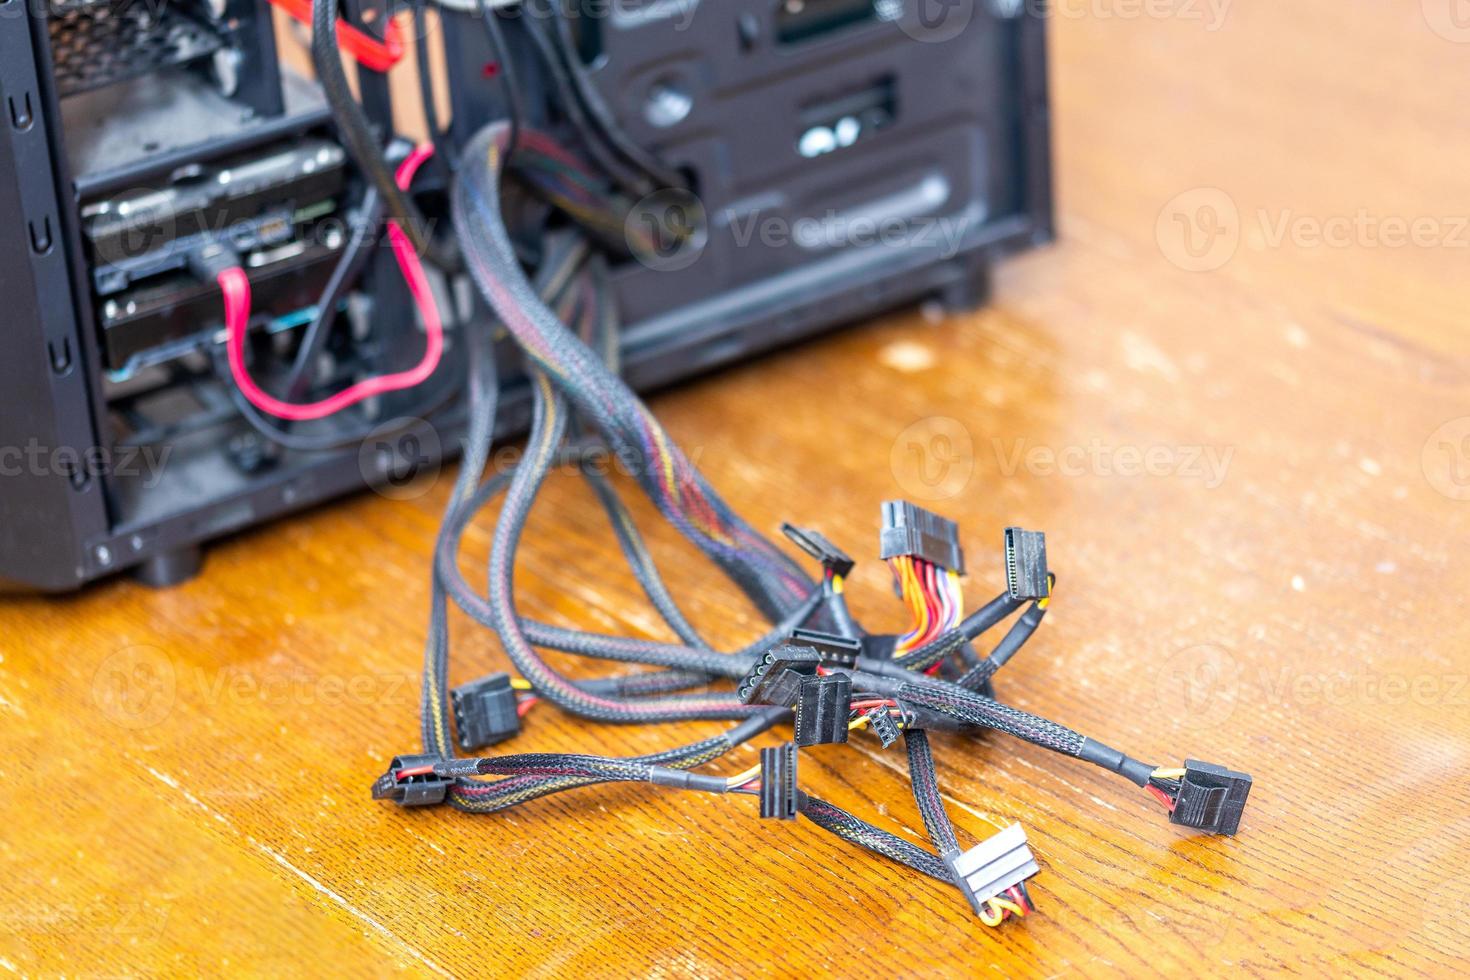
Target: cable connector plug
778,782
209,260
914,531
412,781
1026,574
993,866
1211,798
776,677
880,720
835,650
814,543
485,712
822,706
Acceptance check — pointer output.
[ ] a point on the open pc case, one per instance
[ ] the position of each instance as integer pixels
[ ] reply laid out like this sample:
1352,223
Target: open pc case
850,156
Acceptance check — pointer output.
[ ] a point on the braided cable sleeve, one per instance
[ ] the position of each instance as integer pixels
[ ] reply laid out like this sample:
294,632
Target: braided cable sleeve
925,782
973,625
624,649
1014,639
838,821
482,397
731,665
635,550
680,492
647,684
477,796
562,764
548,426
976,709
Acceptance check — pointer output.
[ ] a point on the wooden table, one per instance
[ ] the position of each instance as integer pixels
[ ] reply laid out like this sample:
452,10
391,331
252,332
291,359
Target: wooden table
1249,450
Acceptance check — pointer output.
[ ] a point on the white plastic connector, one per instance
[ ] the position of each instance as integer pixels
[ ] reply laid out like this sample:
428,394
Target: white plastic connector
990,867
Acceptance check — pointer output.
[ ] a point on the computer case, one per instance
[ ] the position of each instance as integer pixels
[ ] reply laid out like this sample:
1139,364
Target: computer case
850,156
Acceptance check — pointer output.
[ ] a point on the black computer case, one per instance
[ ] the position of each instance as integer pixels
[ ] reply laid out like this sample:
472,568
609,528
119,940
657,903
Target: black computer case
851,156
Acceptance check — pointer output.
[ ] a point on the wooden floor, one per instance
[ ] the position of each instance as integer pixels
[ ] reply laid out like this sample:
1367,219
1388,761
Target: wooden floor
1251,452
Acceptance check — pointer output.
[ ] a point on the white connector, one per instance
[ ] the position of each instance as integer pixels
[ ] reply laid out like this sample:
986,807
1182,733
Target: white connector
994,865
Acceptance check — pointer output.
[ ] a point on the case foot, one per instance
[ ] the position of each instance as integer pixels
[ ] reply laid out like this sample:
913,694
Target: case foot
170,568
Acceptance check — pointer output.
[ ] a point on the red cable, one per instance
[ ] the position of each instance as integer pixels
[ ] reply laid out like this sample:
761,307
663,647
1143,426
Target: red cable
1161,796
366,50
235,285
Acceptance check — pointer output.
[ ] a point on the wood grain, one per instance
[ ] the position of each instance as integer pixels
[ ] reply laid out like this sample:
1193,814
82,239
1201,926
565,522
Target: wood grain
185,773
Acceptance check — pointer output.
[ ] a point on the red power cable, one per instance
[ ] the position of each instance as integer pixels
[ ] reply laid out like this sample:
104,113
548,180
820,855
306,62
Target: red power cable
366,50
235,285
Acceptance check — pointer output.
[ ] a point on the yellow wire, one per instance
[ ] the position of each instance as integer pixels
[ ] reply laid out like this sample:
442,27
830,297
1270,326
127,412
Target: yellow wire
521,685
1167,774
1009,906
735,782
837,584
857,723
1051,583
913,596
994,918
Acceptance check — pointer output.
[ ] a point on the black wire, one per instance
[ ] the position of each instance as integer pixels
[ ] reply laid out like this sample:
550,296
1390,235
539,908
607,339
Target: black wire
602,116
571,105
925,783
349,268
357,134
509,77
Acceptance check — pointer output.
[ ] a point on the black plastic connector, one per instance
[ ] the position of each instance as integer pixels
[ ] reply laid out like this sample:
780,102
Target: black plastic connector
485,712
1211,798
912,530
778,782
207,262
423,789
822,707
776,677
814,543
1026,574
880,720
835,650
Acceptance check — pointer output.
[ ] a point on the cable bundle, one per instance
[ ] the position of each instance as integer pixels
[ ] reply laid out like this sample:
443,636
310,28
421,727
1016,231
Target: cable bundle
925,679
816,668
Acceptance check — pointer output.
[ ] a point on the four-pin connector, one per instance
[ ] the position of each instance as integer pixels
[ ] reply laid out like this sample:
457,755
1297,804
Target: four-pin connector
918,533
776,677
1026,573
880,720
991,867
485,712
778,782
1211,798
835,650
